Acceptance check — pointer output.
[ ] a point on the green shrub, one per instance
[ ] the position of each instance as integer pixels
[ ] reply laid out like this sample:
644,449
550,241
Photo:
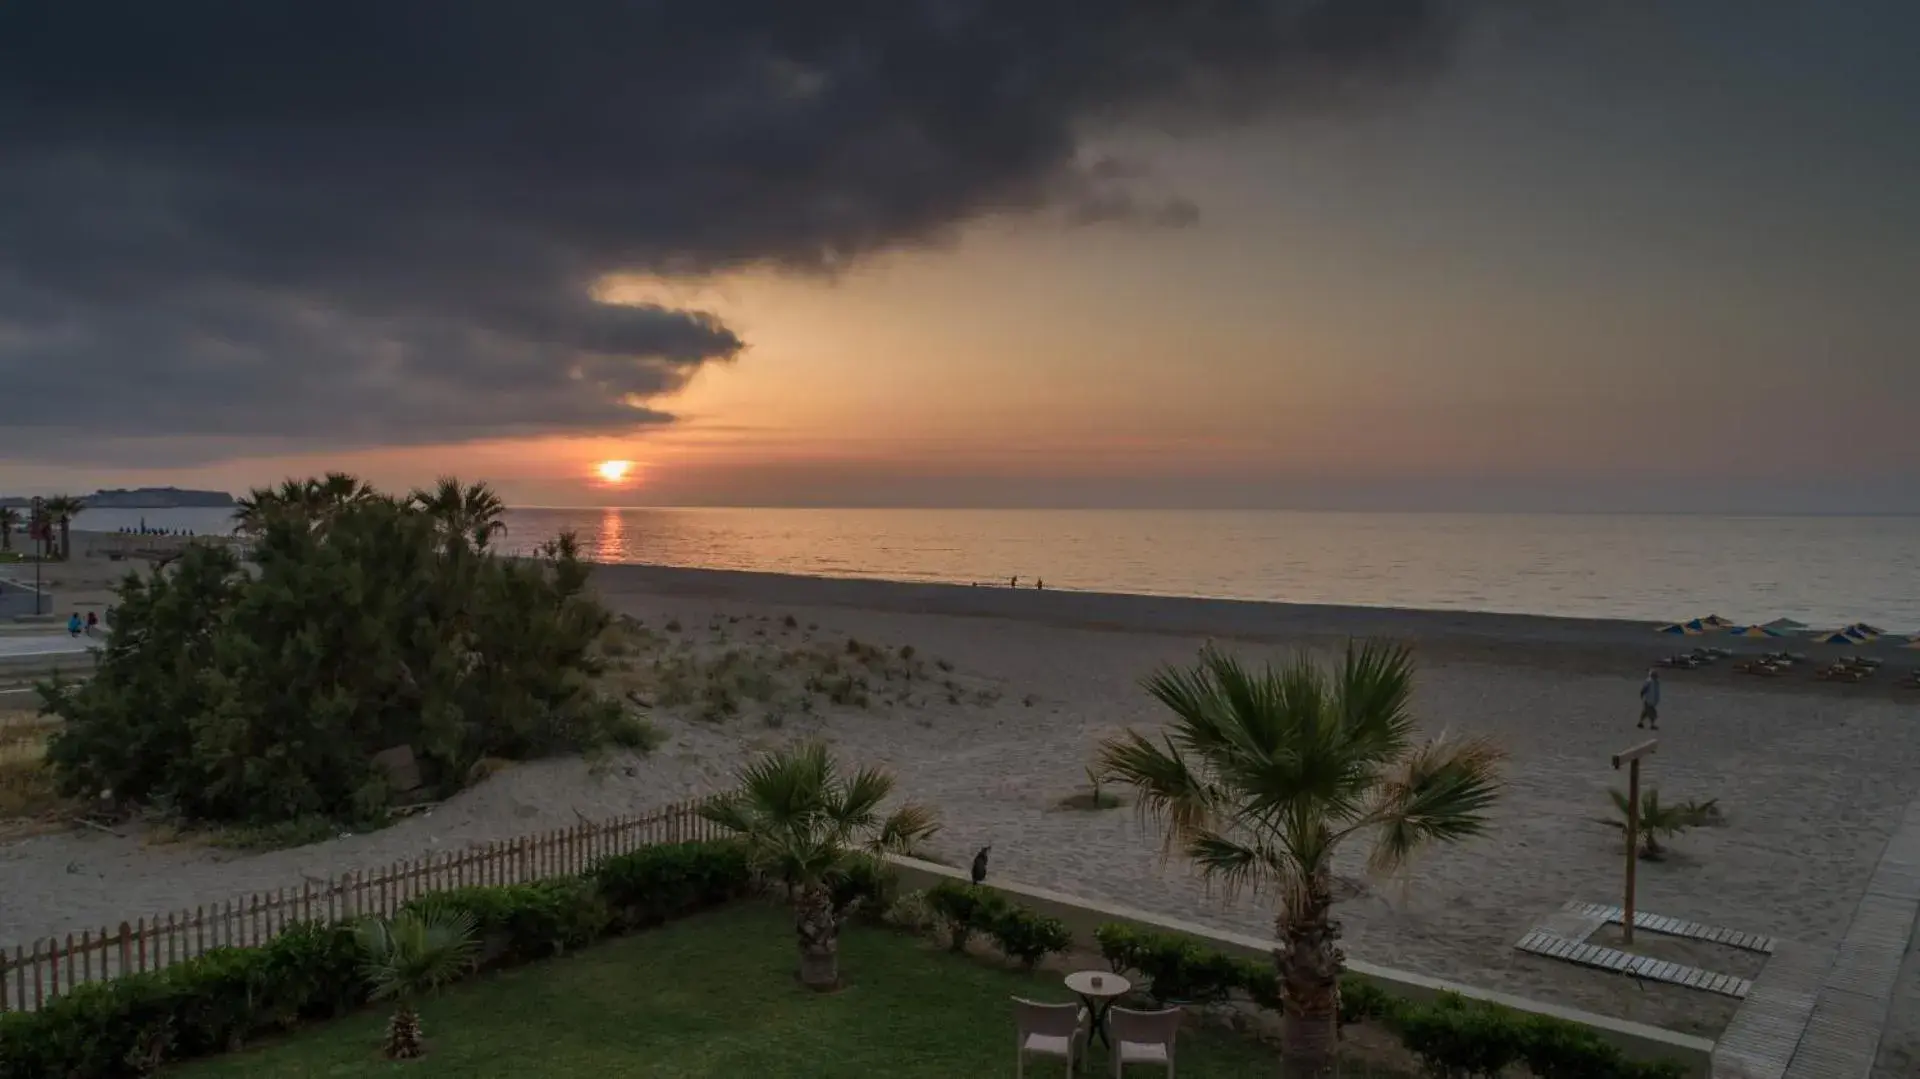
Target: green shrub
1258,979
964,910
635,733
209,1004
1455,1039
311,971
1556,1050
910,911
1028,936
866,890
652,885
521,922
1174,968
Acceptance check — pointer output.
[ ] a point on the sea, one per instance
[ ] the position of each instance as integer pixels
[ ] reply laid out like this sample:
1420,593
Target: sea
1824,571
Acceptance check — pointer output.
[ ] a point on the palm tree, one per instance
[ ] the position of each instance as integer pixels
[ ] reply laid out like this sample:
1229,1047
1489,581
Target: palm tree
806,823
252,510
10,521
337,489
61,510
407,958
1659,821
472,513
312,500
1263,777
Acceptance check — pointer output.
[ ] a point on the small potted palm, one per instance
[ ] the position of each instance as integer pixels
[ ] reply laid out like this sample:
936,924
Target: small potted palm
408,958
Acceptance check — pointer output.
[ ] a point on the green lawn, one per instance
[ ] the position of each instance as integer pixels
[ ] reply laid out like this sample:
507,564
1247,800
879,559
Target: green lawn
714,996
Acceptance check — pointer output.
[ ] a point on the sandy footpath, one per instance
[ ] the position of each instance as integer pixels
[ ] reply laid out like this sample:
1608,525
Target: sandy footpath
1812,780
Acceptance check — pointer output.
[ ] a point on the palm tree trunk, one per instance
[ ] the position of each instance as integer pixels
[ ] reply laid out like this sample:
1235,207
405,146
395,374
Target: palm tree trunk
1309,962
403,1034
66,539
819,934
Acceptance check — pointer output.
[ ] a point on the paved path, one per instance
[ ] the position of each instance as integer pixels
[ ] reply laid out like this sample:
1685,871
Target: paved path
43,644
1820,1013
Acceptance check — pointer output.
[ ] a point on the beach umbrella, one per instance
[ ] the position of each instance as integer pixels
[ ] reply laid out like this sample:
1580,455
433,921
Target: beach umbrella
1786,624
1836,637
1752,633
1859,635
1678,630
1714,621
1871,631
1698,625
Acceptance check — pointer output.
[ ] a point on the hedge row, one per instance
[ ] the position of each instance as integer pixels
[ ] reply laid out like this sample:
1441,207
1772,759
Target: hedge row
1454,1038
1019,933
217,1002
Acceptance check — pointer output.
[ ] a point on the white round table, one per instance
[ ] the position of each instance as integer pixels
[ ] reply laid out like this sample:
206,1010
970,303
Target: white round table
1098,989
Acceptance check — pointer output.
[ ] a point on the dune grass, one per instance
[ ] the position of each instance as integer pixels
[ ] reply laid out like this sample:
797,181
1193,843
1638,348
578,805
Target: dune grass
26,785
715,996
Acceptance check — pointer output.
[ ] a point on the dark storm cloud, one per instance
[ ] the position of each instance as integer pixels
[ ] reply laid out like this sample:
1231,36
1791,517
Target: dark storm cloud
380,220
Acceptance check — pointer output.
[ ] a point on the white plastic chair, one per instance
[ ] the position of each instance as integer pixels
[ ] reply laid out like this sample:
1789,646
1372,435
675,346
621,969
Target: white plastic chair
1142,1037
1050,1030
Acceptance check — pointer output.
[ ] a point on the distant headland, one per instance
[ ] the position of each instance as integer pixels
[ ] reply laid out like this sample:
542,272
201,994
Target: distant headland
142,498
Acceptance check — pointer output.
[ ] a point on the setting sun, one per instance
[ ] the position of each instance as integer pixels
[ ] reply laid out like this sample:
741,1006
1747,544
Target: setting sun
614,471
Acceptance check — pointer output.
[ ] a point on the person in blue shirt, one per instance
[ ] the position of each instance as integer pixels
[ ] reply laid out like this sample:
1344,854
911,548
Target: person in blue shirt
73,624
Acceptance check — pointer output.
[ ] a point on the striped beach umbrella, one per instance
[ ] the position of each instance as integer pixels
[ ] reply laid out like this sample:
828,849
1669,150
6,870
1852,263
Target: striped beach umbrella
1836,637
1714,621
1678,629
1871,631
1787,625
1752,633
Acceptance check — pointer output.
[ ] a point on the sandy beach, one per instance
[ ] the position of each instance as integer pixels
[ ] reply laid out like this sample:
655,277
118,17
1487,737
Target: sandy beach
1813,778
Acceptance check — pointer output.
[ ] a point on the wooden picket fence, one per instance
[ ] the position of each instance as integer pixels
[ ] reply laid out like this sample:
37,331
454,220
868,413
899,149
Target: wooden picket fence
32,976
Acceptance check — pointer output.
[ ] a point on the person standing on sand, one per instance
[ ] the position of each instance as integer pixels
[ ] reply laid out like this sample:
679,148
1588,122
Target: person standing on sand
1650,701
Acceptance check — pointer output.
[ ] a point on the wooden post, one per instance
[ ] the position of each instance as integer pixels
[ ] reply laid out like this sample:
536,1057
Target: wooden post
1631,757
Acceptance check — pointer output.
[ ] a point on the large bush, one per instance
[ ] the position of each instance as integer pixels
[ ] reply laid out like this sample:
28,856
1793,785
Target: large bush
260,693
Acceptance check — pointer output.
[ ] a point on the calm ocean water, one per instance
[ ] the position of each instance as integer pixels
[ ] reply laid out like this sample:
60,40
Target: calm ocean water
1821,570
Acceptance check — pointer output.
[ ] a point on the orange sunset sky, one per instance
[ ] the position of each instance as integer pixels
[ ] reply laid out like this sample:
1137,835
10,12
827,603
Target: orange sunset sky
1645,259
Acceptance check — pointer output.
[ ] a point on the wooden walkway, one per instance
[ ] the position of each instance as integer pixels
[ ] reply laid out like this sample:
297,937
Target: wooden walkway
1563,935
1819,1013
1637,966
1678,927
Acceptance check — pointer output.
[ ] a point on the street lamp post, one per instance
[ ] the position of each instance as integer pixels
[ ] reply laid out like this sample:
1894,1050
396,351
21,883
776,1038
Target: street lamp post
36,522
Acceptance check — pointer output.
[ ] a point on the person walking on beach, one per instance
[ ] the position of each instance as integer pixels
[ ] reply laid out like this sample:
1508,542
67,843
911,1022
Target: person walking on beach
93,622
1650,701
73,624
